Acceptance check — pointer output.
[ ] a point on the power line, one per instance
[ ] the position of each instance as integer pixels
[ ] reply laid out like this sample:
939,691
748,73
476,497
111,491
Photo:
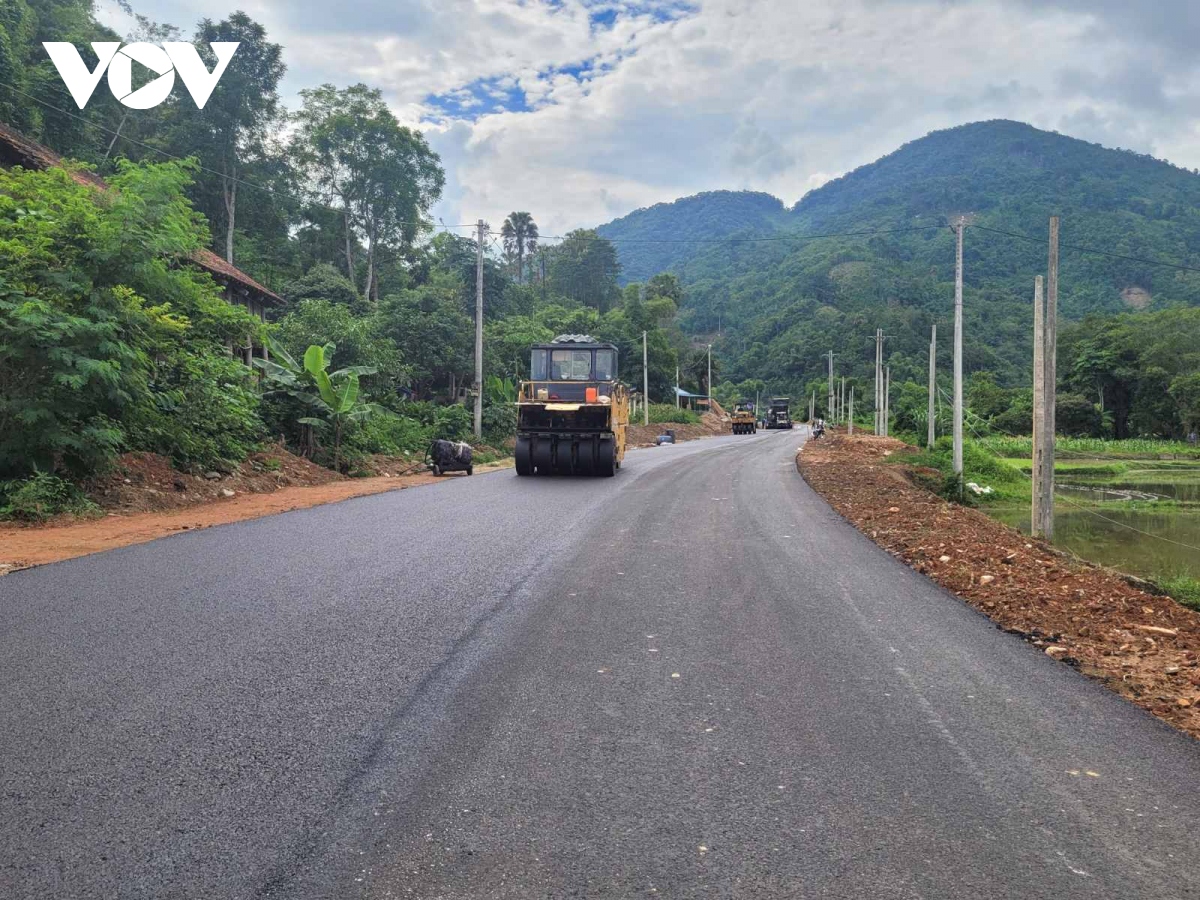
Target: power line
1092,250
774,238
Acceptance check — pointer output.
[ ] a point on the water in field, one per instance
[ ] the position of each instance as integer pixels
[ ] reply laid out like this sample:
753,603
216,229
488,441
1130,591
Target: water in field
1141,541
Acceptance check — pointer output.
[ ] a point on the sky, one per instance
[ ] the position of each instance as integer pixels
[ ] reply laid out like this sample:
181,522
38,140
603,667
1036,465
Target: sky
580,111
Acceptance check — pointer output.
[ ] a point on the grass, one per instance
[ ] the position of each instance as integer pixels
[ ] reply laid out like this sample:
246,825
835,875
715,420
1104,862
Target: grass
1184,588
979,466
1132,448
667,414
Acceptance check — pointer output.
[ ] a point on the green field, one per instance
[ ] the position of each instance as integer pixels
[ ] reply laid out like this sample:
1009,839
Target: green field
1133,505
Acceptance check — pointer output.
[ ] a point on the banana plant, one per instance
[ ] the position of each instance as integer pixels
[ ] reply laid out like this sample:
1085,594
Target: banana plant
335,396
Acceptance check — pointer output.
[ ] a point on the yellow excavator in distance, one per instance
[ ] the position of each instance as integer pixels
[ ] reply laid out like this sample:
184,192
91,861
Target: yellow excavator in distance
572,412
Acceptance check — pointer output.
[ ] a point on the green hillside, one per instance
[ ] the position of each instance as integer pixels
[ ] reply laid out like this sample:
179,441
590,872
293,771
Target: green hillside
666,235
785,298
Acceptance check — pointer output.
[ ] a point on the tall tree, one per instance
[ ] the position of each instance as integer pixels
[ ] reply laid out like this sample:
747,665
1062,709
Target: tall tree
233,129
520,236
382,176
584,267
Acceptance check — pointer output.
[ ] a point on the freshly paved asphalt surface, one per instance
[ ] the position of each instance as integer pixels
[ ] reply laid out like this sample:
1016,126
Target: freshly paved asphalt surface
692,680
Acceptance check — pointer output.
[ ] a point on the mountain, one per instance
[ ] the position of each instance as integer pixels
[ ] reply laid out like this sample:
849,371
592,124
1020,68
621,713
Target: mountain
666,235
784,296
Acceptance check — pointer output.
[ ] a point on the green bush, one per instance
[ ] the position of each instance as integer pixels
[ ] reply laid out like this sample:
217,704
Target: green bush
91,301
980,465
667,414
499,421
453,423
389,434
202,411
40,497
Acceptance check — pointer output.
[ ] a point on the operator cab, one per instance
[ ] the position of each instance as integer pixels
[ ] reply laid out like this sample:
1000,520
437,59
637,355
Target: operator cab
573,368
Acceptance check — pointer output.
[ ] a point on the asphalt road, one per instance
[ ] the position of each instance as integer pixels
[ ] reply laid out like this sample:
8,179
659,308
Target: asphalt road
692,680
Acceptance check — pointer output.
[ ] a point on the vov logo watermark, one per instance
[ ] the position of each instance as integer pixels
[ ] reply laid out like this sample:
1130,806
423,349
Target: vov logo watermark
171,58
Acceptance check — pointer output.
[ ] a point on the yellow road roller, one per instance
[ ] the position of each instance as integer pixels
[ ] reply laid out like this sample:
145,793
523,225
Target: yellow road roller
572,412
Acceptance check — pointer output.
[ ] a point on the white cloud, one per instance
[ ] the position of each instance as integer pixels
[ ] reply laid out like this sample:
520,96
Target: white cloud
765,94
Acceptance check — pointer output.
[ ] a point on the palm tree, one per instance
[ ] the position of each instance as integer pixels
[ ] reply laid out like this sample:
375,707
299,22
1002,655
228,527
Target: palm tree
520,236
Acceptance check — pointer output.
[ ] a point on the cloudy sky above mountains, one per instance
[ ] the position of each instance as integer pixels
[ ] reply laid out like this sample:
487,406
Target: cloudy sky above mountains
582,110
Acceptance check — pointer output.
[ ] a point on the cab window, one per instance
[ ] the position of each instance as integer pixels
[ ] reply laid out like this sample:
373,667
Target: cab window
538,365
606,365
570,365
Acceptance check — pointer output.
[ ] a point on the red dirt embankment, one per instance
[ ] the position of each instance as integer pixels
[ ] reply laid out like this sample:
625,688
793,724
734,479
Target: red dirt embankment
710,425
1143,646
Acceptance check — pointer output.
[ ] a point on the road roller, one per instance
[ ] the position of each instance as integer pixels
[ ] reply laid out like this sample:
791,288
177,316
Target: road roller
572,413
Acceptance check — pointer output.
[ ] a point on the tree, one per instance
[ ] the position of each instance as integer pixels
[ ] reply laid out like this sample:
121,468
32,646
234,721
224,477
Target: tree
359,340
584,267
234,125
433,334
382,176
94,309
322,282
1185,391
520,236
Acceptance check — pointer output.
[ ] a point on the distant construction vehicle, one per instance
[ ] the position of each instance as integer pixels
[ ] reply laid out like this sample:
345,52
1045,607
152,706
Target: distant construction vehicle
778,414
744,419
572,413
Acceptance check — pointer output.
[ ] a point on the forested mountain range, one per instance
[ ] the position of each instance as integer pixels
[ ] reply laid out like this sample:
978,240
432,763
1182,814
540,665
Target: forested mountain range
781,297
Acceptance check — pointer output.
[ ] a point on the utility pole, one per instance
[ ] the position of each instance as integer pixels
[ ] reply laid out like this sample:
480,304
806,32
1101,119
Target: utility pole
850,418
709,378
887,401
842,401
958,326
479,332
677,400
1039,407
1050,365
879,381
812,407
930,416
829,411
645,381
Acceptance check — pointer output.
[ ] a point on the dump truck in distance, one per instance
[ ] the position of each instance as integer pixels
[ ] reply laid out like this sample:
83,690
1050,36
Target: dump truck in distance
778,415
744,421
572,413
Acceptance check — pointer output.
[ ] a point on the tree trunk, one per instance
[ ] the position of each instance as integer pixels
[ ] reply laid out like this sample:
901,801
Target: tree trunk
370,266
349,250
229,191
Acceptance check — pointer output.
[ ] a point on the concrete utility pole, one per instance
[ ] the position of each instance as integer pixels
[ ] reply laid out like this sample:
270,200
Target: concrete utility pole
812,406
850,418
1050,366
930,416
1039,406
887,401
958,325
710,377
830,413
677,401
645,381
878,381
479,332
